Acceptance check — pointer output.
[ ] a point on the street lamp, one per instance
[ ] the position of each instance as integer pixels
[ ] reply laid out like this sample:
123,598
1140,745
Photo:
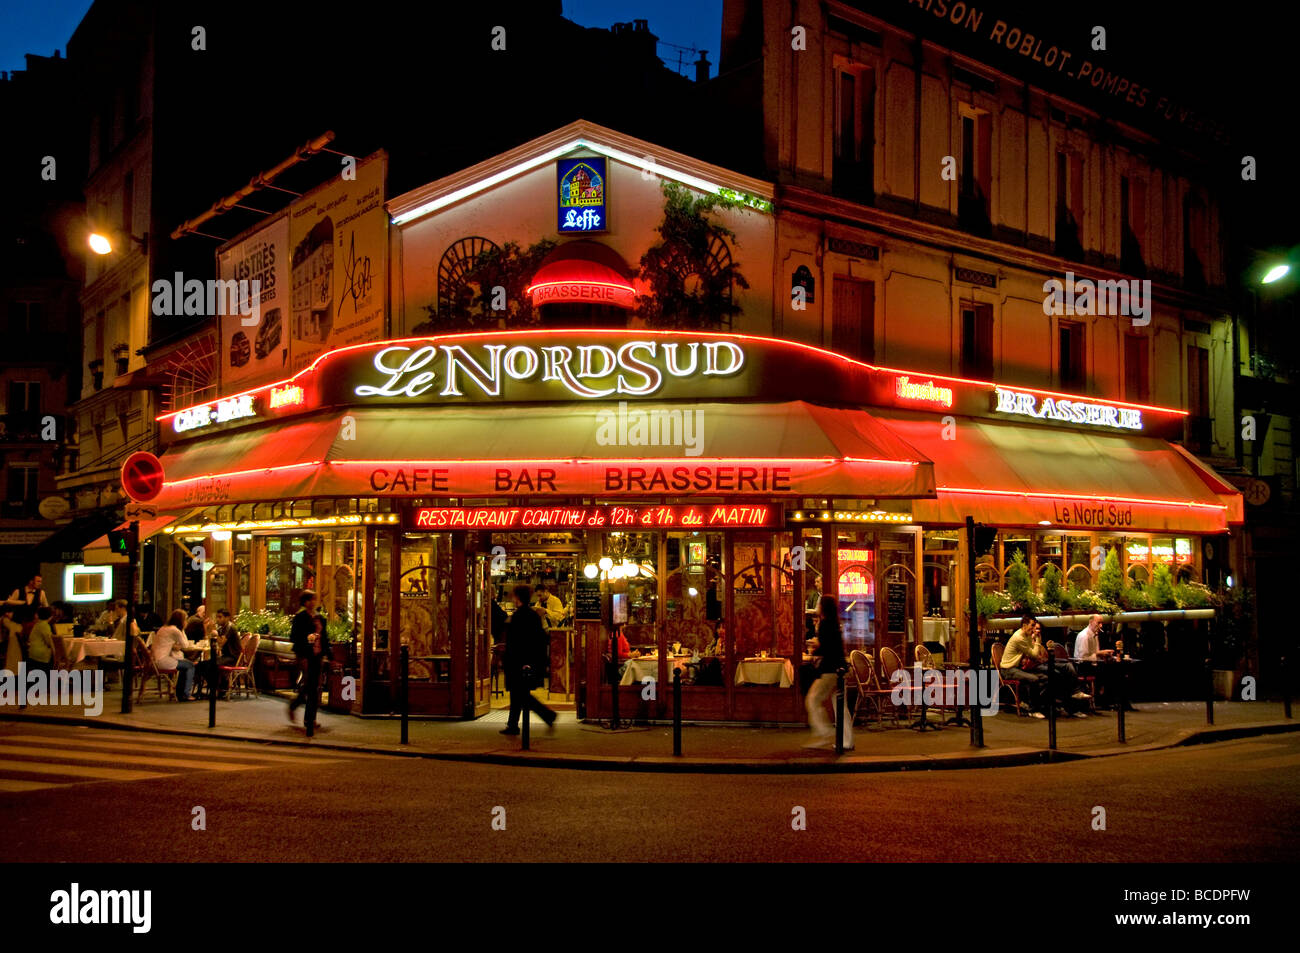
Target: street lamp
101,243
1274,273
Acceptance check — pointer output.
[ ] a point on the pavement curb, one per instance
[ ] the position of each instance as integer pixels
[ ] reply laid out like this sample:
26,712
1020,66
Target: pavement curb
845,764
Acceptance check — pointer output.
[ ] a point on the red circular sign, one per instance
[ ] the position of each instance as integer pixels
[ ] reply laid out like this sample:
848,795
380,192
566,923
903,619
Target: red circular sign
142,476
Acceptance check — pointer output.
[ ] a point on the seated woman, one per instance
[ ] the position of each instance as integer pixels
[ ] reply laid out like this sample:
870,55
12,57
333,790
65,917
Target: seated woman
169,644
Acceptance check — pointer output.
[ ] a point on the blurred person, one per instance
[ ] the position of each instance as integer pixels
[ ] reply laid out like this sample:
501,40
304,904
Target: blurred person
310,643
526,645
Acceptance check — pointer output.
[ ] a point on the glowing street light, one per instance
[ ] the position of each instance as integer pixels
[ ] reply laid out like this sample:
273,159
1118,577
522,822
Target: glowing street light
1274,273
100,244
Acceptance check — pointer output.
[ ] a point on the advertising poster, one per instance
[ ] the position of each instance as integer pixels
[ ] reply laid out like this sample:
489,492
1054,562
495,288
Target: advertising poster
254,352
338,248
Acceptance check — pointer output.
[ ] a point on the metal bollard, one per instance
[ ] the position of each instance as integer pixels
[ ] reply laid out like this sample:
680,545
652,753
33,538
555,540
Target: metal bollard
918,688
613,684
128,669
1051,705
214,677
1209,691
1123,698
527,676
406,673
1286,687
839,710
677,712
976,716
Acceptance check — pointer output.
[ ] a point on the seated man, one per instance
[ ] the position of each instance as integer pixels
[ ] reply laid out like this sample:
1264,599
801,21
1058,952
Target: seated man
1024,645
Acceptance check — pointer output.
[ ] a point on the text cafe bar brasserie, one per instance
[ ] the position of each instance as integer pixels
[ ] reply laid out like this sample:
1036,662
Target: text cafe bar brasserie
708,487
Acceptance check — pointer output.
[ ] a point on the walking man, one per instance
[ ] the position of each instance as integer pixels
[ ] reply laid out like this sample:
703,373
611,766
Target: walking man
526,644
309,645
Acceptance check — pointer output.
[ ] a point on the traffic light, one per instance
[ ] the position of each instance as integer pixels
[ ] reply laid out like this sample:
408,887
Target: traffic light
122,541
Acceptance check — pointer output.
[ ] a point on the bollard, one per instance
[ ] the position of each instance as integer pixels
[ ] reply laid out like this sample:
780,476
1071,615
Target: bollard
527,676
1286,688
1123,699
677,712
128,669
1051,704
406,672
976,715
839,710
1209,691
213,677
613,684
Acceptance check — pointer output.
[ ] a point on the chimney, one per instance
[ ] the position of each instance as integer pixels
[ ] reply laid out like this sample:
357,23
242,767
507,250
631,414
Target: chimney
702,67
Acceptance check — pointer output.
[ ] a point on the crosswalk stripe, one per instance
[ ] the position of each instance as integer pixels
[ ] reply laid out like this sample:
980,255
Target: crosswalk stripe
150,760
11,784
77,771
162,746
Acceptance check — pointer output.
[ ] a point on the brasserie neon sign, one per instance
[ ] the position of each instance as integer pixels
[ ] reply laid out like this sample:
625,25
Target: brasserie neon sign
636,368
1068,411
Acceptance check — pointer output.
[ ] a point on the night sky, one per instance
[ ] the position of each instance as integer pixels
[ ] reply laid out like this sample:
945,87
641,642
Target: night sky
1232,60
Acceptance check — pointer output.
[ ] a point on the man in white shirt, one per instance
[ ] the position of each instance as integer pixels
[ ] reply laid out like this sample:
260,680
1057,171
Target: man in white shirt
1085,643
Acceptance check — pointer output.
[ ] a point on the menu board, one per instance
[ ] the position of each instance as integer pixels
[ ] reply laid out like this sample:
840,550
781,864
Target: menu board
896,607
587,600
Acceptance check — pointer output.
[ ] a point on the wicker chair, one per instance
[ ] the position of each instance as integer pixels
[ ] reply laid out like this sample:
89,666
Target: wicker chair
995,652
144,668
240,675
1061,653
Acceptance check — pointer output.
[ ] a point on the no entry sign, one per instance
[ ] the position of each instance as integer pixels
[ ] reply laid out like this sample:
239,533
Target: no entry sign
142,476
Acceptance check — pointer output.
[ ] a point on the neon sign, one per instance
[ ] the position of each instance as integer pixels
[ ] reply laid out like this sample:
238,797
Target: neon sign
854,579
907,389
223,411
593,517
291,395
637,368
1068,411
592,292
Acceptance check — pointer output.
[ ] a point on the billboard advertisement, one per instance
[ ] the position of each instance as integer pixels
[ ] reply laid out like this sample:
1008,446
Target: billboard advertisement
337,268
255,347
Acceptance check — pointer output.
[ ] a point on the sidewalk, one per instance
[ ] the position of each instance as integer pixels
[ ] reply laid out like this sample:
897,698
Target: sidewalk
1009,740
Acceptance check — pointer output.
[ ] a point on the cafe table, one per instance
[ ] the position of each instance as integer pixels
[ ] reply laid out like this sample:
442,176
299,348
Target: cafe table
648,665
761,671
77,649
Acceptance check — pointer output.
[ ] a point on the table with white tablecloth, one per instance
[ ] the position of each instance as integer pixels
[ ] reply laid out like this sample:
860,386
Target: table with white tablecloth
760,671
648,665
936,630
78,649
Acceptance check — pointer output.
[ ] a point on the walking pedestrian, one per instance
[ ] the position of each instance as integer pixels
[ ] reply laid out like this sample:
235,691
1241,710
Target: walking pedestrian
310,643
830,653
526,644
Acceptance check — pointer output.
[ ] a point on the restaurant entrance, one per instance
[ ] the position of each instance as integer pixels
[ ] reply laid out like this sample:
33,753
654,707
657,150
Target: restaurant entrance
549,564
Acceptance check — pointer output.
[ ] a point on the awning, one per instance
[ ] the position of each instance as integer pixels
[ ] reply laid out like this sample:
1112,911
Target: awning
98,552
595,449
1006,474
67,543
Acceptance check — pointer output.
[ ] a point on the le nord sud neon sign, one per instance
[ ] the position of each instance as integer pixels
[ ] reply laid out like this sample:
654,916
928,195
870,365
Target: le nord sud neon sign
634,369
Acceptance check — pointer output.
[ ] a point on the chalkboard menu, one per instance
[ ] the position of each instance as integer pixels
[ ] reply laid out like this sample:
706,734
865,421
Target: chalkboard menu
587,600
896,606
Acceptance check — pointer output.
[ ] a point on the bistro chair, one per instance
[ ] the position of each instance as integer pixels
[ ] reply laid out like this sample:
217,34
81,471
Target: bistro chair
921,655
863,680
889,664
995,653
145,669
240,675
1061,653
